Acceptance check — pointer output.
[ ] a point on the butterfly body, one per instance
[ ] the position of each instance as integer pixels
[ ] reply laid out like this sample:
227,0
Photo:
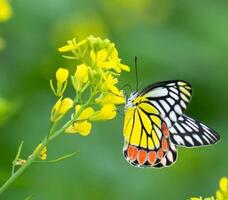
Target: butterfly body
155,125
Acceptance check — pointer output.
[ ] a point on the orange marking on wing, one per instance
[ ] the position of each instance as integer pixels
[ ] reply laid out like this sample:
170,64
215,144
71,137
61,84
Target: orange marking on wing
142,156
135,153
165,130
130,151
164,144
152,157
160,153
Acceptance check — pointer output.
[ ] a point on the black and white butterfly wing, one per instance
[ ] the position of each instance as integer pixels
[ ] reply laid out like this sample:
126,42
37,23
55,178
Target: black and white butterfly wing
170,98
189,132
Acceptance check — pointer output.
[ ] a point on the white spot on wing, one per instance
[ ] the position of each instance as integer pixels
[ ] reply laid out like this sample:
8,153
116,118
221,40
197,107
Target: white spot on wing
171,101
177,108
171,84
172,130
173,116
163,161
184,97
197,138
180,128
183,104
178,139
165,105
174,90
187,127
174,95
158,131
170,156
205,138
158,92
189,139
168,122
192,126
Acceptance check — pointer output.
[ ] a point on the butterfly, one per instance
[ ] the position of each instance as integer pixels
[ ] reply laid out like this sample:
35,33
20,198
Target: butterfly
155,125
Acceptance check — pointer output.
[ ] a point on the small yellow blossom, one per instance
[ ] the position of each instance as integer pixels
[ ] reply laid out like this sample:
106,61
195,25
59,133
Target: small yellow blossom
5,10
83,128
222,194
60,108
110,98
71,45
107,112
81,76
85,114
43,152
107,61
62,75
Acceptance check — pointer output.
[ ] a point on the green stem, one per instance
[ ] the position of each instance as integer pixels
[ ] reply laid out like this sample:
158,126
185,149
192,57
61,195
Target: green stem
44,143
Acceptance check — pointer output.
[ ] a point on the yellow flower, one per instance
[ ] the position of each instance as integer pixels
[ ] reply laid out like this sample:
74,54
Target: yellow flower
109,82
110,98
43,152
5,10
107,112
71,45
62,75
222,194
83,128
85,114
81,76
105,60
60,108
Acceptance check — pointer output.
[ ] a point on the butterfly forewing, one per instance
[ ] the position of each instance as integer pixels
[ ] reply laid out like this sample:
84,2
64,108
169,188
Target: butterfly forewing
170,98
189,132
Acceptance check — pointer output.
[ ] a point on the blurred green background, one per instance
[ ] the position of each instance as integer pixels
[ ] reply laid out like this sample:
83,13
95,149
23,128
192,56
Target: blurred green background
173,39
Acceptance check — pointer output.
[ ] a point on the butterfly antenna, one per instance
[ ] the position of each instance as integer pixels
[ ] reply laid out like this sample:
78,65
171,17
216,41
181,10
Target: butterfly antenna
136,74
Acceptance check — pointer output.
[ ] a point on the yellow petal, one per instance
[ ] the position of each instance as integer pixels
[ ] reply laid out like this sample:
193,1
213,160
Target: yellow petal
43,152
60,108
93,56
219,195
62,75
110,99
66,104
223,184
85,114
82,73
83,128
71,45
102,55
124,67
107,112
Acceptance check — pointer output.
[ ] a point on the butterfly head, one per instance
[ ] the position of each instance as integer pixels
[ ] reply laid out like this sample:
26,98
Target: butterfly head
130,101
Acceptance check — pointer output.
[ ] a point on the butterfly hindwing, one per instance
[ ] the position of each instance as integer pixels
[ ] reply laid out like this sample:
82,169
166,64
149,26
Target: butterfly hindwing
189,132
147,139
170,98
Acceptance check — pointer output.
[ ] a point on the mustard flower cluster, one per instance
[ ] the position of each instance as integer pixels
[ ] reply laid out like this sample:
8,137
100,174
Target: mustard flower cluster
94,81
